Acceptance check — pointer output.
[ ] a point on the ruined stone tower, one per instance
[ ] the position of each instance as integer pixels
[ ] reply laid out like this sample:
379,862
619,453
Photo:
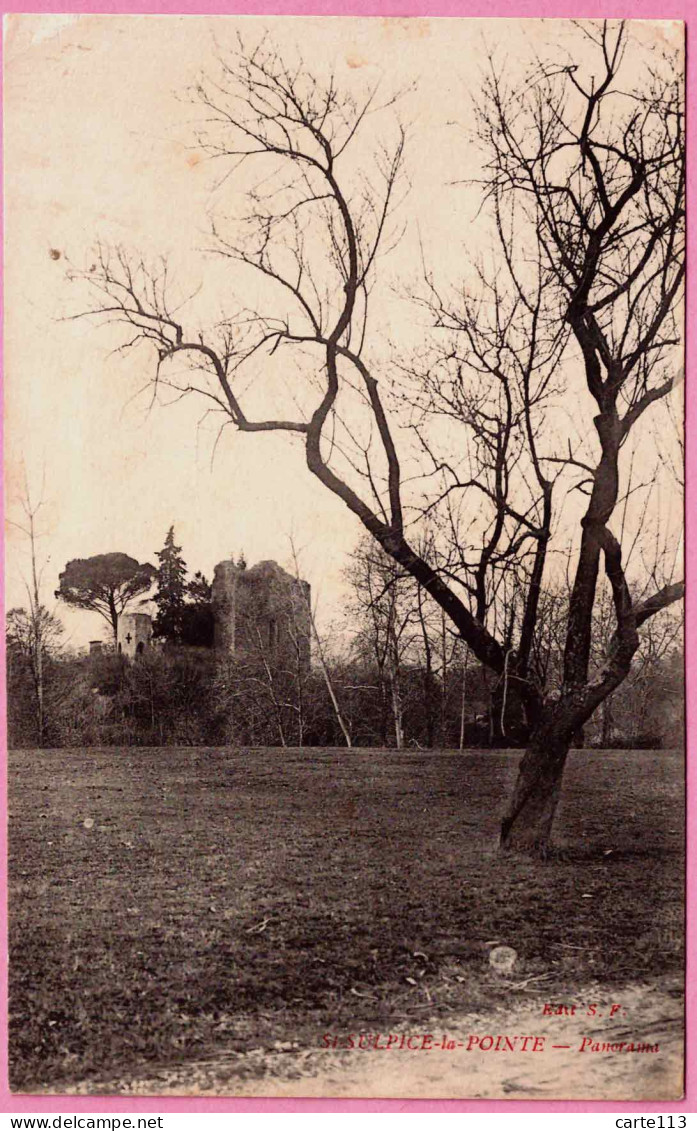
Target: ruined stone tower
262,611
134,634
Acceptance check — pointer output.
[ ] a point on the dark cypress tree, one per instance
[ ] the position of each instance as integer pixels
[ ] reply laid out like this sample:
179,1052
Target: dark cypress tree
198,620
171,591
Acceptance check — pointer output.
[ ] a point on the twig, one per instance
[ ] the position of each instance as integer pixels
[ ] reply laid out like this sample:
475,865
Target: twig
258,928
535,978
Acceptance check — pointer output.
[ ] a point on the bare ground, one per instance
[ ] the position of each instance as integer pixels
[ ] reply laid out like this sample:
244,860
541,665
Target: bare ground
651,1014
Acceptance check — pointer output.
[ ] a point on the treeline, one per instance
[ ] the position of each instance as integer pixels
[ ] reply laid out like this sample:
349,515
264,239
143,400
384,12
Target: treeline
193,696
389,673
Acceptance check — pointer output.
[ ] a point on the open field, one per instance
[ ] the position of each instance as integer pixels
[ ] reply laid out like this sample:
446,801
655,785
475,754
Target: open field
169,903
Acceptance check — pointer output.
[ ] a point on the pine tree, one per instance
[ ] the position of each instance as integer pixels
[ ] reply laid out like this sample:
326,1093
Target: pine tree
171,590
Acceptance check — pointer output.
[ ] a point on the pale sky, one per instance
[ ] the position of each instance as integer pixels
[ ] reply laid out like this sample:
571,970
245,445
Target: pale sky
99,144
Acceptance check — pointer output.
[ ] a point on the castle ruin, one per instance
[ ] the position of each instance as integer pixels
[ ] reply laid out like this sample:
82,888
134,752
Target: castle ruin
134,634
260,611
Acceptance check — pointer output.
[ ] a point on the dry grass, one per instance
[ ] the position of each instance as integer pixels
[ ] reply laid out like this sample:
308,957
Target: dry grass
169,903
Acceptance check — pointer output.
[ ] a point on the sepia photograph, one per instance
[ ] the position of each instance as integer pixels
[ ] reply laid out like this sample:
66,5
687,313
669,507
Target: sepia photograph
344,466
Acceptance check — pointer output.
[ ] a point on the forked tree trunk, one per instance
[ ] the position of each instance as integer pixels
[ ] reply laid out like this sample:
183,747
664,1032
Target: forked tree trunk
527,826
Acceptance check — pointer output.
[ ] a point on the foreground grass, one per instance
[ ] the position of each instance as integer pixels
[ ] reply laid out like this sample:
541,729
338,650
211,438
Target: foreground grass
165,903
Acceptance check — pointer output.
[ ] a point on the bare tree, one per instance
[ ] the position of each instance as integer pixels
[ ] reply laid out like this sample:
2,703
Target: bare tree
480,393
321,658
599,171
34,638
385,616
587,171
34,632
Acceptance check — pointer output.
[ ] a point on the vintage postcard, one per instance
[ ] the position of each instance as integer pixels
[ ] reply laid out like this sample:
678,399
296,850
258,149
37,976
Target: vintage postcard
344,490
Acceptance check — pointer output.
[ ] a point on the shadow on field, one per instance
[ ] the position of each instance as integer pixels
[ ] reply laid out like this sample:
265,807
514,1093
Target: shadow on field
606,856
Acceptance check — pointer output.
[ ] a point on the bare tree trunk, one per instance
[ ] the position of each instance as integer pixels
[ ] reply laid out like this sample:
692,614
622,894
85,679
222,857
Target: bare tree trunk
272,693
113,613
395,690
444,688
38,626
152,704
383,706
528,822
397,710
527,825
322,662
330,687
300,697
428,671
463,698
37,640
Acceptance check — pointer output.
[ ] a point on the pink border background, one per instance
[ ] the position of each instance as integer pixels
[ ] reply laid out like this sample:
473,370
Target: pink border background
630,9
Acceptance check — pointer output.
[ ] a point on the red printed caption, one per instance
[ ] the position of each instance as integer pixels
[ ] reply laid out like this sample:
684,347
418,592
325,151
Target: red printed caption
496,1042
